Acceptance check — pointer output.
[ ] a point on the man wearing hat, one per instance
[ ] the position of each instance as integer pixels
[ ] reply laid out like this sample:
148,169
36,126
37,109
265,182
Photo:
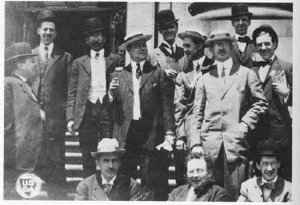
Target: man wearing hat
88,103
268,186
108,183
143,116
22,116
51,88
276,77
223,113
244,46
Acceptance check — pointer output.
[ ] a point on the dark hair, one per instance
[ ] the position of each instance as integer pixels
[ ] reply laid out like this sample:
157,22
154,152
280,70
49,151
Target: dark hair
209,162
267,29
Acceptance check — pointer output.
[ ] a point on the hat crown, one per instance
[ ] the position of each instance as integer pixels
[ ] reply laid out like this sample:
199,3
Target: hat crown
240,9
17,49
108,145
165,16
45,15
93,24
194,34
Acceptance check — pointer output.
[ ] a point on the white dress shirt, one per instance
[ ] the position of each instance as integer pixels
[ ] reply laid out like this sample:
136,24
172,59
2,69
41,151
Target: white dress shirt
98,77
43,52
227,65
191,195
111,182
241,45
136,90
263,70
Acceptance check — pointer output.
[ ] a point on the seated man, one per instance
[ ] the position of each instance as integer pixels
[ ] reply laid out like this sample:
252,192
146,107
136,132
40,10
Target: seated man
269,187
106,183
201,185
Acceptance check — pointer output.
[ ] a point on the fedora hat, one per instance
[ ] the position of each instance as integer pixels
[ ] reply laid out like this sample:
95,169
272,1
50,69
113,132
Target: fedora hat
92,25
192,34
165,18
106,146
240,10
18,50
135,38
46,15
218,36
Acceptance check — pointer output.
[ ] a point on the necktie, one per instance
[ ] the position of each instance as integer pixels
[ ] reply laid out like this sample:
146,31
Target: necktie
138,71
172,52
107,188
269,185
46,53
223,72
97,55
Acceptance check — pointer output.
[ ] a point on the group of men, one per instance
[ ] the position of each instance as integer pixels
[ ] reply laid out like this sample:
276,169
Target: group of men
207,104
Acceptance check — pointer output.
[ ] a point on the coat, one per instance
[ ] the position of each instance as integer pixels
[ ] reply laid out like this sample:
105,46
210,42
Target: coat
123,189
156,104
252,192
219,108
79,86
245,58
22,125
51,88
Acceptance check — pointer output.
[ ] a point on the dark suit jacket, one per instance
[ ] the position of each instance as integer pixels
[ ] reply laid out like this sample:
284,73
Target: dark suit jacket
79,85
245,58
51,88
156,104
22,126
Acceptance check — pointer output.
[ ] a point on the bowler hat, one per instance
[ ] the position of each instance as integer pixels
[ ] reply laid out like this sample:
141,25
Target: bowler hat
106,146
92,25
18,50
135,38
165,18
240,10
268,148
192,34
46,15
219,35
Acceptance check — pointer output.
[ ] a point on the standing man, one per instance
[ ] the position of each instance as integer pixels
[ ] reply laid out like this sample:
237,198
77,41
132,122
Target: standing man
23,116
143,116
51,89
88,103
223,113
244,46
276,77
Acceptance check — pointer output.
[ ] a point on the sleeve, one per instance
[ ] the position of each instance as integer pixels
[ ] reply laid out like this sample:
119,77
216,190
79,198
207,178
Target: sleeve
259,102
289,77
116,103
139,193
81,191
243,193
72,91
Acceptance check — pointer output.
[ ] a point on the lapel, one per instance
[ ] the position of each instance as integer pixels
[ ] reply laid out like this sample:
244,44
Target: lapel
148,70
97,190
27,89
56,54
183,193
275,66
86,62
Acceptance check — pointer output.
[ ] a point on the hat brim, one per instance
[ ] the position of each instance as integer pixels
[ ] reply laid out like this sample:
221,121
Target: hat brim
166,24
136,39
268,153
242,14
98,154
19,56
210,41
188,35
89,32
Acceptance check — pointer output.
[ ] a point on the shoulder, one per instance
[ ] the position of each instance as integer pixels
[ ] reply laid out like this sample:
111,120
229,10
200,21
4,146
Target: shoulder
87,181
284,64
179,189
288,185
249,182
220,194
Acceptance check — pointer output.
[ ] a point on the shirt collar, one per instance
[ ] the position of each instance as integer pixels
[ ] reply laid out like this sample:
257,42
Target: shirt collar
169,46
133,64
237,36
93,53
111,182
198,61
50,47
263,181
227,64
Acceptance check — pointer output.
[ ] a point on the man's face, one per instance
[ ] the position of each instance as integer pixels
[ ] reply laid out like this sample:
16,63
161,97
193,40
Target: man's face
191,49
268,167
96,41
196,171
169,34
138,51
47,32
265,46
109,165
241,24
221,50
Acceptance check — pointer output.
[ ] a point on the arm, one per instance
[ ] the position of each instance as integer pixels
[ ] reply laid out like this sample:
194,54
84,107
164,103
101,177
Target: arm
243,194
259,102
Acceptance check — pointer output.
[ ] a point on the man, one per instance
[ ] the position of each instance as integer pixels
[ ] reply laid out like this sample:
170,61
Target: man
22,116
201,186
168,54
244,46
143,116
88,106
107,183
51,88
276,77
269,186
223,112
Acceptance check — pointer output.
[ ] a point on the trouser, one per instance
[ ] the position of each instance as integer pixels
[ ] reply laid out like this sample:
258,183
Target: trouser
95,125
230,175
153,163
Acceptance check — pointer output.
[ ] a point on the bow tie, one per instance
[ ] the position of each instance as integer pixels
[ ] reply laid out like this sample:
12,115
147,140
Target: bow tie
261,63
268,185
244,39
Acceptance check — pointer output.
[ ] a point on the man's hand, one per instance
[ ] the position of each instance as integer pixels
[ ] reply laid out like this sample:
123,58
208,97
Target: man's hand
171,73
70,126
281,88
114,84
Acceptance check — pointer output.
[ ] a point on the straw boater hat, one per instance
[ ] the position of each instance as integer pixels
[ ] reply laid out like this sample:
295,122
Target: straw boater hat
92,25
240,10
219,35
108,145
192,34
135,38
18,50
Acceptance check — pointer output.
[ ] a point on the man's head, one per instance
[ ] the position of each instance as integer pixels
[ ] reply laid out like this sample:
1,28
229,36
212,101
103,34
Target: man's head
240,18
193,44
266,41
94,33
199,167
167,25
220,45
46,29
136,46
268,162
108,157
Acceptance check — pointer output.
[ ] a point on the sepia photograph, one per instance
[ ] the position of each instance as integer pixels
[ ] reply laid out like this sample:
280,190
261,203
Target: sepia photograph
148,101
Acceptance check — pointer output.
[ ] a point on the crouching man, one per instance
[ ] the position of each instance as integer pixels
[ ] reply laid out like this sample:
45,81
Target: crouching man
106,183
269,187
